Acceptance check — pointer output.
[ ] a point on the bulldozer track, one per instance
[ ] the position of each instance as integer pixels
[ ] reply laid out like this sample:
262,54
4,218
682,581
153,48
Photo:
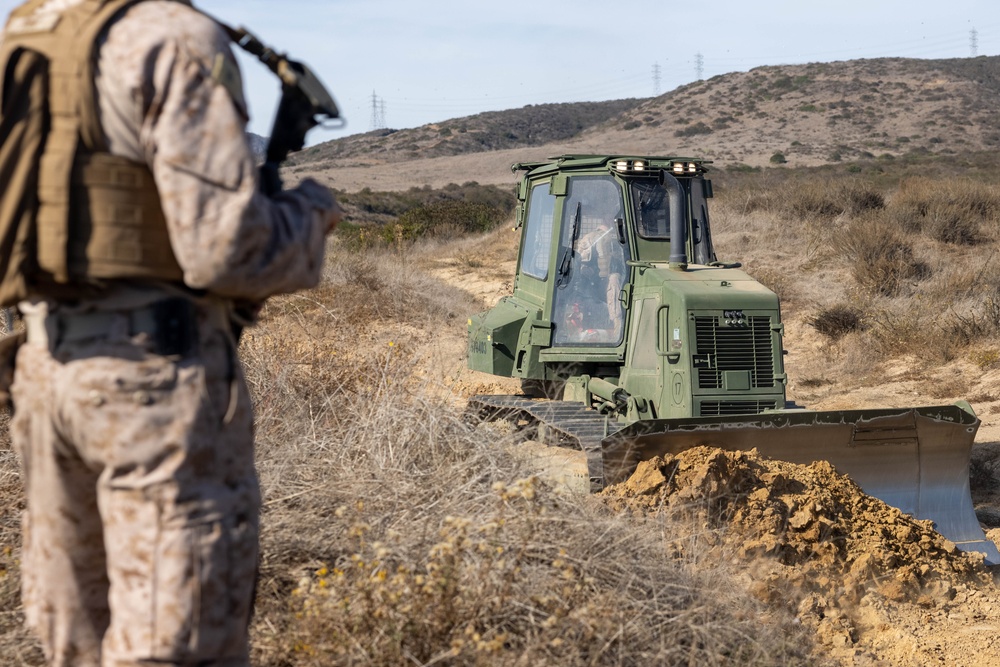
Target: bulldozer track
566,424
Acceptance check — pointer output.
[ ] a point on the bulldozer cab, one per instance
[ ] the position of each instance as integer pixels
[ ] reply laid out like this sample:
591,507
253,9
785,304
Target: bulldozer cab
585,219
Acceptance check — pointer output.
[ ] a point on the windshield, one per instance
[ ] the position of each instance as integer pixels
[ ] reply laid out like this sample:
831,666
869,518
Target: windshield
591,267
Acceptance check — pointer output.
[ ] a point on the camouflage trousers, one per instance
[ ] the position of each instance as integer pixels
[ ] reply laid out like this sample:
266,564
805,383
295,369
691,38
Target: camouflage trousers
141,527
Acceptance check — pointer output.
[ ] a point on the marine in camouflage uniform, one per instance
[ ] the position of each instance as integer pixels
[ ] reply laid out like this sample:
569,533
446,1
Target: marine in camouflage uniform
132,416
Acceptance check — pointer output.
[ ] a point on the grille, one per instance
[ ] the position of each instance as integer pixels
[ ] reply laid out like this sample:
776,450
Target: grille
723,408
735,349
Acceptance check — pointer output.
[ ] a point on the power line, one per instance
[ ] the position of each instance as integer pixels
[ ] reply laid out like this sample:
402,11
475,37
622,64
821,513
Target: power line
656,79
699,66
973,43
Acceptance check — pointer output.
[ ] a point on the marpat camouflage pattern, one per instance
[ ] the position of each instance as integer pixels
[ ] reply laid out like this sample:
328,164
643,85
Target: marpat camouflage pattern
141,527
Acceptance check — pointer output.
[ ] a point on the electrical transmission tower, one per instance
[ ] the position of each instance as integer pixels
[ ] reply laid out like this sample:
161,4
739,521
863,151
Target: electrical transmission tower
699,65
656,79
974,42
378,112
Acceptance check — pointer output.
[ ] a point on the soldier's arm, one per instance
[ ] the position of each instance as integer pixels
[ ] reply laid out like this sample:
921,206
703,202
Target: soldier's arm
185,103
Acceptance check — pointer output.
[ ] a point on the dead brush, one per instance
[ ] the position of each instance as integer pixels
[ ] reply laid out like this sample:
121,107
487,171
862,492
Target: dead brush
422,543
395,532
523,582
955,211
17,645
837,320
801,199
829,199
881,258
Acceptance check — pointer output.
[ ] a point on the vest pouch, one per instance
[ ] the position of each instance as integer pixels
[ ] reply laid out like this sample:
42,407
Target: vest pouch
117,229
23,129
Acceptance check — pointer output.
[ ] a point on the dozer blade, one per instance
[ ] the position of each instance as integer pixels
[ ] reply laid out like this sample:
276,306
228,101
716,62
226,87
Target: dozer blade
915,459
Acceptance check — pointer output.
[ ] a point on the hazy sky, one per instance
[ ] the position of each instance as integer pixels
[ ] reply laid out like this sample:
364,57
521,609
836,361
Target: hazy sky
432,60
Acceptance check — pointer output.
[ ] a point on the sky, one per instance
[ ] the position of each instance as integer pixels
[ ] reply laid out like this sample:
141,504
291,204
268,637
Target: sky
424,61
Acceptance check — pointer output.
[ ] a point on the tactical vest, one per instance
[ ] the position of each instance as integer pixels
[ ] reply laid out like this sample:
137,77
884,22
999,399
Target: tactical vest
71,214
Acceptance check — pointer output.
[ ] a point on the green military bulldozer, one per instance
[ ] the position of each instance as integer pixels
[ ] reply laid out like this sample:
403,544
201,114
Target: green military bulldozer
632,340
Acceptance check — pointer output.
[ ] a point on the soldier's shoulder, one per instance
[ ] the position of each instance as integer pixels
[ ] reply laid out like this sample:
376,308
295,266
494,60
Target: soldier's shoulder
158,21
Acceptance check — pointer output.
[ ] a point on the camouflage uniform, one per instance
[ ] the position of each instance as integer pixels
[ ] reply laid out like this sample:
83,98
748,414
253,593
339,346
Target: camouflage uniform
141,529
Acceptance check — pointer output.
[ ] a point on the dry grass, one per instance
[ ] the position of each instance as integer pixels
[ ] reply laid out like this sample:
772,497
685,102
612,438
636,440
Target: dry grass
912,258
16,646
396,533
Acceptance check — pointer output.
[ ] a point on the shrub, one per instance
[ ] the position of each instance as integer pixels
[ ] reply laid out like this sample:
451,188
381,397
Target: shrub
881,259
954,211
692,130
778,158
444,218
392,218
837,321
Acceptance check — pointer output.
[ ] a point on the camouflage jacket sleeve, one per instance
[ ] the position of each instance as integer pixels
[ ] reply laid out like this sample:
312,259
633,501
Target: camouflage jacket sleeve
170,95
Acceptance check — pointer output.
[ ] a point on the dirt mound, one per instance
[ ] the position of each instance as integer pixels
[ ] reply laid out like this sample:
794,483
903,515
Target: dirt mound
807,517
849,566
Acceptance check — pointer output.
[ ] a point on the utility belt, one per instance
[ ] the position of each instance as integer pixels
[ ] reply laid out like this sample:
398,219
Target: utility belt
172,325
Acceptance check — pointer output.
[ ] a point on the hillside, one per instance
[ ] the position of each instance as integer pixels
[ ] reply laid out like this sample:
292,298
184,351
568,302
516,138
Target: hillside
820,113
533,125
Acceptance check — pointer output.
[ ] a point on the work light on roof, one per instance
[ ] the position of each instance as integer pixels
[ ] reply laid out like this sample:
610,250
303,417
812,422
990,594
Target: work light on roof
692,168
621,165
678,167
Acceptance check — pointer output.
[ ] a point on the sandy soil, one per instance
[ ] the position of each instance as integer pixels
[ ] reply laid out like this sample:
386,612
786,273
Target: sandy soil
894,592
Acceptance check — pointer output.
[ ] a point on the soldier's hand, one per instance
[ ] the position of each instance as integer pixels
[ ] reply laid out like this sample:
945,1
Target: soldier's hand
324,204
334,216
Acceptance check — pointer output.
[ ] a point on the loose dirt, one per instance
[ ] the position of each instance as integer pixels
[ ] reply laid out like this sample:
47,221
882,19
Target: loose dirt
874,583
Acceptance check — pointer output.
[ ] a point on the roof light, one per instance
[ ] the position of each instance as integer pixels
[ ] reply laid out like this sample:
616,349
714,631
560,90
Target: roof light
639,165
692,167
678,167
621,165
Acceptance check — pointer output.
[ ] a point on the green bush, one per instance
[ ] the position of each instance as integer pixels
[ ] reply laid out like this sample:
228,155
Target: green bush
389,218
444,218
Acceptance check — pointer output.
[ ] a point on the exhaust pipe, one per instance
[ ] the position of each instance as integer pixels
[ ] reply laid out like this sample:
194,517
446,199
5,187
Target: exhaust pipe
678,222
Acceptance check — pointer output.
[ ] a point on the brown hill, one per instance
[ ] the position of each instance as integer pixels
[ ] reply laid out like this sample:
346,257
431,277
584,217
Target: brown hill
806,115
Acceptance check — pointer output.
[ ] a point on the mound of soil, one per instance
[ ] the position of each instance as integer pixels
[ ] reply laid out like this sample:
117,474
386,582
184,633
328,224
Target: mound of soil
841,558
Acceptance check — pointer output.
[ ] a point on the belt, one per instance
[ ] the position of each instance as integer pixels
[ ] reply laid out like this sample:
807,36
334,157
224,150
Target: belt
171,324
72,328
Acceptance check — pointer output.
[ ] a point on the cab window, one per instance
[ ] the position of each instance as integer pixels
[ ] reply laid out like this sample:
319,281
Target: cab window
537,240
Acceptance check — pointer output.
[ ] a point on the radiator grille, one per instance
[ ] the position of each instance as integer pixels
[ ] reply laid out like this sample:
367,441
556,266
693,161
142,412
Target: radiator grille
747,348
723,408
